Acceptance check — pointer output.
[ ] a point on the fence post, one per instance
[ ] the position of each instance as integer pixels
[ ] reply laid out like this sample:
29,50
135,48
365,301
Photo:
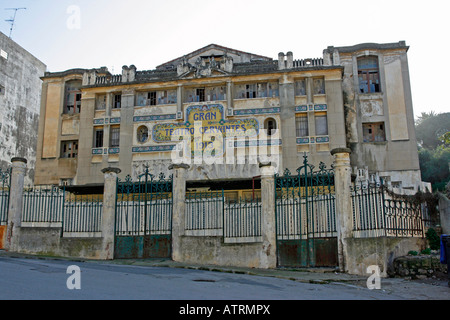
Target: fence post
178,209
19,166
268,228
109,212
344,221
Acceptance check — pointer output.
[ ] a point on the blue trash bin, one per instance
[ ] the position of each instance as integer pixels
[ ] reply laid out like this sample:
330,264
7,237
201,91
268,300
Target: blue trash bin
445,253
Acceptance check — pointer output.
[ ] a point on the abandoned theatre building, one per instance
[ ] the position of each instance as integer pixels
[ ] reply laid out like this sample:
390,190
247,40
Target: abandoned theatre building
355,97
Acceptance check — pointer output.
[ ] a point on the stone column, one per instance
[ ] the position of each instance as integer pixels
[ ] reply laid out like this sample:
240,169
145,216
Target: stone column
344,220
178,209
268,257
19,166
109,213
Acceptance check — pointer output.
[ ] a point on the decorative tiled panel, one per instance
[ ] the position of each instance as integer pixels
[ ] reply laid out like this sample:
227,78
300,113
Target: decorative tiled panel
311,140
303,108
97,151
324,139
114,120
99,121
106,121
114,150
153,148
155,117
304,140
316,107
256,143
320,107
244,112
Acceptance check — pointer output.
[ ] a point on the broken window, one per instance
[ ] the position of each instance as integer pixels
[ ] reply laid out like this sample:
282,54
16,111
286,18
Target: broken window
69,149
301,125
368,75
98,137
73,97
151,98
117,101
300,87
215,93
200,95
319,86
321,124
114,136
374,132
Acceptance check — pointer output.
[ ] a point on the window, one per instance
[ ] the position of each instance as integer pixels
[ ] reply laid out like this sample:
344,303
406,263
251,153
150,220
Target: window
2,90
98,138
300,87
257,90
4,54
117,101
142,134
151,98
368,75
321,124
69,149
114,137
200,95
374,132
319,86
73,97
101,102
271,126
301,125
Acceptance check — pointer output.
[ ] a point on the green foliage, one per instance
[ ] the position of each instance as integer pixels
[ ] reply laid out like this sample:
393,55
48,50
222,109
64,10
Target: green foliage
413,253
433,136
433,239
426,251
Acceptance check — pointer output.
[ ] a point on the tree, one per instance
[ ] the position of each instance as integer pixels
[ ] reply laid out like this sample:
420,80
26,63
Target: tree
430,127
433,136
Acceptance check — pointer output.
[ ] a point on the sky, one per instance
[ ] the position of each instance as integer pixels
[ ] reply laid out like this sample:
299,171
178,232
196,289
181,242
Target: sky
66,34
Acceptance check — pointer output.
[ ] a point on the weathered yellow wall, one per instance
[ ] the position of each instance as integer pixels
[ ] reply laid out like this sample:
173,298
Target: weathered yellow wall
52,113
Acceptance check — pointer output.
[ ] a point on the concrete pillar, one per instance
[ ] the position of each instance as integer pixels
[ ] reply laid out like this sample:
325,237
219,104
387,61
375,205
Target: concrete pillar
19,166
109,213
229,95
344,220
180,100
290,60
178,209
268,258
281,62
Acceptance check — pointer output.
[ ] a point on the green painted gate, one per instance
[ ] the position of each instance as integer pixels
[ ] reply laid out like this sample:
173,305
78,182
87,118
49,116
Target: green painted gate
306,217
143,224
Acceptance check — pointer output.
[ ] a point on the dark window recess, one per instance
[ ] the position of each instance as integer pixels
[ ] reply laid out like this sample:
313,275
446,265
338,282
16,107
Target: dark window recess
73,97
374,132
114,140
152,98
368,75
200,93
117,101
271,126
69,149
98,138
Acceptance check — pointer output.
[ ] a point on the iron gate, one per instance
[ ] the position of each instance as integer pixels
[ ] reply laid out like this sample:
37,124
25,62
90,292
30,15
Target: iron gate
143,224
306,217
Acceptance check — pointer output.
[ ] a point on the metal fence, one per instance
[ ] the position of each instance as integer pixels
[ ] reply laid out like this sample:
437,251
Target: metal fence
378,212
43,205
210,213
5,182
82,214
144,207
242,221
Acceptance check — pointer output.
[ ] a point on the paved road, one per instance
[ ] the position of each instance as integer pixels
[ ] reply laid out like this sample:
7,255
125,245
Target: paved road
23,278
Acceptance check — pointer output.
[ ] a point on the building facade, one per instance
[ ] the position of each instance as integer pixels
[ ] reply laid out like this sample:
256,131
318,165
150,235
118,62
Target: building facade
223,111
20,91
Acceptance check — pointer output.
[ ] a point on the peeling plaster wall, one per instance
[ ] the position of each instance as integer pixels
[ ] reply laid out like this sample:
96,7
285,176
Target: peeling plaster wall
19,104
